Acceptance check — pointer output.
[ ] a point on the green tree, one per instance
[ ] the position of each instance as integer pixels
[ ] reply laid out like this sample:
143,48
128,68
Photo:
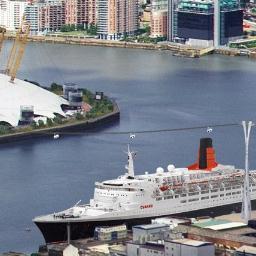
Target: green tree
57,120
92,29
79,116
41,124
33,125
56,87
49,122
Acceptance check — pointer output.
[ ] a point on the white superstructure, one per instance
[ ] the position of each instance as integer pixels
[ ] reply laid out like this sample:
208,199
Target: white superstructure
165,192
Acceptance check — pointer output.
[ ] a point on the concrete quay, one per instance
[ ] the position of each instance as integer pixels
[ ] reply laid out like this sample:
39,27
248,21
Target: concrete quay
177,49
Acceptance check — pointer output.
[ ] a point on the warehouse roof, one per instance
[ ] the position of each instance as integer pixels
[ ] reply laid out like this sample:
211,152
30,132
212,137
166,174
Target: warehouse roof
218,224
247,249
151,226
190,242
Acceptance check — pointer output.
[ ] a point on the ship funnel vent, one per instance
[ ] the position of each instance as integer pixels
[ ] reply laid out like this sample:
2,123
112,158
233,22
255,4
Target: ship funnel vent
206,158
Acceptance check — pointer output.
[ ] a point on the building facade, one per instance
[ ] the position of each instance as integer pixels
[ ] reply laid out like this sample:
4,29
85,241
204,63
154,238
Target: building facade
158,23
52,15
117,18
159,18
184,247
11,13
32,16
193,21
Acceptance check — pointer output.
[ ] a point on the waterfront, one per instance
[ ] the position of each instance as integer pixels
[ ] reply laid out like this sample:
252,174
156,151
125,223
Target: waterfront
154,90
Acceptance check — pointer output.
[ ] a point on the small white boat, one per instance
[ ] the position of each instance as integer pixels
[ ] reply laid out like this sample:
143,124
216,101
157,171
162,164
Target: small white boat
56,136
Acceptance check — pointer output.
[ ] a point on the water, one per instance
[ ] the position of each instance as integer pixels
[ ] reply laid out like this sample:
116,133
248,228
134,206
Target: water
154,90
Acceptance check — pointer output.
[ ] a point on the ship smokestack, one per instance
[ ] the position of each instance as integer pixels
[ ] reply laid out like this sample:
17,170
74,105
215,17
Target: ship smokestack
206,158
205,143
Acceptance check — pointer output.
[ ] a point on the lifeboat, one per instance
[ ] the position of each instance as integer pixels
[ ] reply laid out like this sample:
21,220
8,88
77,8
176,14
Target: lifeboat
164,188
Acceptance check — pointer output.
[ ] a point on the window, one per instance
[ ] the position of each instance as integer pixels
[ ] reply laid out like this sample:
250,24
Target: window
193,199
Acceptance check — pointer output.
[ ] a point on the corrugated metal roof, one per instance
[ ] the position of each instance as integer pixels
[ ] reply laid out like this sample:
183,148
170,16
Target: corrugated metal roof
208,223
190,242
218,224
227,226
247,249
151,226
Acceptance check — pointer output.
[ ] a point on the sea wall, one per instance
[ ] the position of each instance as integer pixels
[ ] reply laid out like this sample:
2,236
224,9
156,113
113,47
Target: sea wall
177,49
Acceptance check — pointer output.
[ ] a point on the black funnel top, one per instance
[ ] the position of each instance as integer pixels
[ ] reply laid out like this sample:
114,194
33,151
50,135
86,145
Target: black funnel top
204,144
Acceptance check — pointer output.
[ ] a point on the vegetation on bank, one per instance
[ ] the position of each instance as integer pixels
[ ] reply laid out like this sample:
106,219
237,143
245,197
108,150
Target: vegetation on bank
243,45
143,36
98,109
85,29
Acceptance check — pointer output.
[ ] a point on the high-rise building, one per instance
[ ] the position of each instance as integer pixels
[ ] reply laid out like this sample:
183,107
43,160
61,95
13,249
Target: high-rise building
75,12
158,24
32,16
91,12
3,13
159,18
171,20
11,13
117,18
80,12
199,24
52,15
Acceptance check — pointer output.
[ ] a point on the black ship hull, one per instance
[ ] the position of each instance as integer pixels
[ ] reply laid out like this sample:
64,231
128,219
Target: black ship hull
56,232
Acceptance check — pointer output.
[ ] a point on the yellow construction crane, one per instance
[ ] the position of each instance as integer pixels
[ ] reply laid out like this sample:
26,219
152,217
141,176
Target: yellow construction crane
18,49
2,32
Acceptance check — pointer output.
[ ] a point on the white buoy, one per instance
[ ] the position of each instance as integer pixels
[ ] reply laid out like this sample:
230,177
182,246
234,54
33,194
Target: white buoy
56,136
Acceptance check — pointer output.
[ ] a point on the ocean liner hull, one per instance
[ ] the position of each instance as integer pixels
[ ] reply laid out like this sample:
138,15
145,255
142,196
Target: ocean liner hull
57,231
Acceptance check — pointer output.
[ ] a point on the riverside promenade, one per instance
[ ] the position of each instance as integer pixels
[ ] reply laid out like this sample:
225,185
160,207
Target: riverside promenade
176,49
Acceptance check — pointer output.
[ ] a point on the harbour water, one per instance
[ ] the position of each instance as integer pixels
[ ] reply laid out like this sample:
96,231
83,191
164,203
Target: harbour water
154,91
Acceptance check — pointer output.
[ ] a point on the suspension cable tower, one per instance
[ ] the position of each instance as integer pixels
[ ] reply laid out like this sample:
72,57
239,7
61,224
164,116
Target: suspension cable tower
17,50
246,199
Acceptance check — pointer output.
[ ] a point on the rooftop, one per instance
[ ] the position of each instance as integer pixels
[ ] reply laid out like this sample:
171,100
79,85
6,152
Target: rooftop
247,249
190,242
151,226
218,224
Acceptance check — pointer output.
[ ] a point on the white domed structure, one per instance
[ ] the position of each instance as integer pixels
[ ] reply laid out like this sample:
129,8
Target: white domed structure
20,93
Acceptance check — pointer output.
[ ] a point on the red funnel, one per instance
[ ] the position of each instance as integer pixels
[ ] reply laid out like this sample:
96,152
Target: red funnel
206,156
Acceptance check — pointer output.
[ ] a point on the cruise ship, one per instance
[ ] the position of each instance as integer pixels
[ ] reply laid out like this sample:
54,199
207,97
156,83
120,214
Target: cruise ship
204,188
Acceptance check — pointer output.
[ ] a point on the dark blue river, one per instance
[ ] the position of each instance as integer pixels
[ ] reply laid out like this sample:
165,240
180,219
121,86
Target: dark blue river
154,91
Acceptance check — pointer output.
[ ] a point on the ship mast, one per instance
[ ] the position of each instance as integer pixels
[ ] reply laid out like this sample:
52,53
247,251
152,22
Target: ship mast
246,199
130,166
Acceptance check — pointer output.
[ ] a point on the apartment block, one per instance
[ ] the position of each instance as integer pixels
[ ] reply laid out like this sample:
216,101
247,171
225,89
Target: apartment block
117,18
11,13
52,15
159,18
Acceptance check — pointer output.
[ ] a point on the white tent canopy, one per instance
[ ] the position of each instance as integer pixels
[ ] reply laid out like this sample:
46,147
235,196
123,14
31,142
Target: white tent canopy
22,93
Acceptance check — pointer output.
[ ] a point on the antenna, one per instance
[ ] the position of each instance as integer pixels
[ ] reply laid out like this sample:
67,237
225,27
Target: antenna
246,198
130,166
